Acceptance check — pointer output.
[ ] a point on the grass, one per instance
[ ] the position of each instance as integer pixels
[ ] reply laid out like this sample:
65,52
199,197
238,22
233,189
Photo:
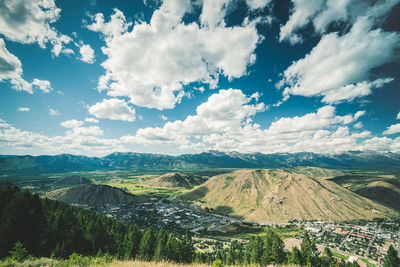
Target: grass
289,231
135,187
340,256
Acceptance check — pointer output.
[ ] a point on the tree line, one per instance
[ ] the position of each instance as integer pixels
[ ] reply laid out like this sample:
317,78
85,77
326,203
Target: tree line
48,228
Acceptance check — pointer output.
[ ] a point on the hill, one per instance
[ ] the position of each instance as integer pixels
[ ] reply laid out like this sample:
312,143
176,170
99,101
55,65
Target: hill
72,180
361,160
383,192
174,180
279,195
316,172
93,195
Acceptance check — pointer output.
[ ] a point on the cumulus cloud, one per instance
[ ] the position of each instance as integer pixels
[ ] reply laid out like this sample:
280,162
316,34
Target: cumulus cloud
393,129
42,85
92,120
225,122
113,109
71,124
398,116
11,70
153,62
30,21
87,54
323,118
77,140
22,109
338,67
322,13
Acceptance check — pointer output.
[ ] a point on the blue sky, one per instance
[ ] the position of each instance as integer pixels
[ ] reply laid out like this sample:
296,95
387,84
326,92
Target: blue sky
94,77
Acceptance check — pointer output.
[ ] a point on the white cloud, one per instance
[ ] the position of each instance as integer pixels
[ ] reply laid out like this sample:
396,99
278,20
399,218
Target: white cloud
152,63
84,131
323,118
22,109
92,120
113,109
29,21
11,69
322,13
337,68
398,116
393,129
256,4
79,140
54,112
225,123
358,125
87,54
42,85
71,124
302,11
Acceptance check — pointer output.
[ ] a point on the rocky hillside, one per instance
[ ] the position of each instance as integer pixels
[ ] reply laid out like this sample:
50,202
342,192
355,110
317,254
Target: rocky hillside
93,195
174,180
279,195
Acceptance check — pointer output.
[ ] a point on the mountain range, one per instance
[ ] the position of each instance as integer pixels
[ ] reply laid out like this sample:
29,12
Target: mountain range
33,165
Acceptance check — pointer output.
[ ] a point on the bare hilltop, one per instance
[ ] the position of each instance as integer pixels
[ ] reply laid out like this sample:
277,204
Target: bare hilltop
280,195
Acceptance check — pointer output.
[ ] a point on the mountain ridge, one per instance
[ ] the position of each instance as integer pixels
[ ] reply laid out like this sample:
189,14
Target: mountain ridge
362,160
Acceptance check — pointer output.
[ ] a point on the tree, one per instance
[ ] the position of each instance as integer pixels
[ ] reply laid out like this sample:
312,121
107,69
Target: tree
19,253
391,258
161,247
274,248
327,258
147,244
187,250
295,257
309,251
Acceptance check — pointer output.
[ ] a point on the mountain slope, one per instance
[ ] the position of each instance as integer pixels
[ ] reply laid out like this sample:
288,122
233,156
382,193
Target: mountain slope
278,195
382,192
316,172
93,195
30,165
173,180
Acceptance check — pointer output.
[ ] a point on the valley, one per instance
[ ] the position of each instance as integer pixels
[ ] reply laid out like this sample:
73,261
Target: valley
221,206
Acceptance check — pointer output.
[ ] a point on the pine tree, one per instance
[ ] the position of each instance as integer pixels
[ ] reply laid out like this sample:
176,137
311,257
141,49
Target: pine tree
327,258
147,244
161,247
187,250
19,253
391,258
274,251
295,257
309,251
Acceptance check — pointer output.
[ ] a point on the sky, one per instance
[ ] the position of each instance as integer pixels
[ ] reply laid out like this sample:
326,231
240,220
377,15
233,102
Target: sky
180,76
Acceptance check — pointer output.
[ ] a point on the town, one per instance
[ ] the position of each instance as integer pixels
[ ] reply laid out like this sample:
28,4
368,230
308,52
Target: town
356,239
